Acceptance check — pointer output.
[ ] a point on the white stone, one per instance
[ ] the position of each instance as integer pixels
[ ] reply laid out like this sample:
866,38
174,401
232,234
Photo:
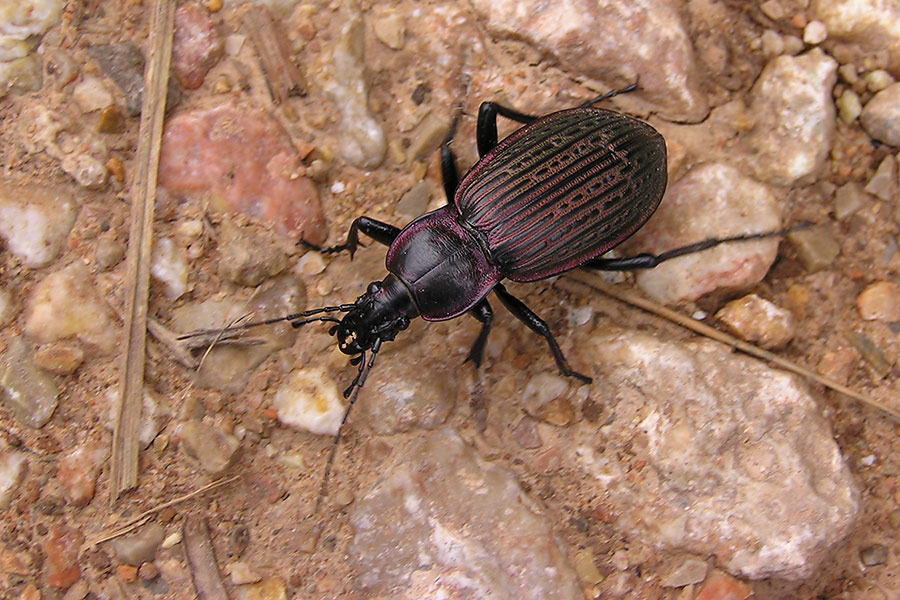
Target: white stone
815,32
309,400
35,221
12,469
91,95
21,19
169,266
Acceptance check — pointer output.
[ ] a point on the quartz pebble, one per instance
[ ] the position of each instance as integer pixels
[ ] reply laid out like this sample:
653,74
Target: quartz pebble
196,46
35,221
711,200
757,320
816,247
849,106
883,184
309,400
815,32
722,425
441,522
30,393
362,142
169,266
880,302
794,116
241,573
78,471
215,450
139,547
12,470
154,414
547,397
22,22
66,304
390,30
242,157
611,42
874,555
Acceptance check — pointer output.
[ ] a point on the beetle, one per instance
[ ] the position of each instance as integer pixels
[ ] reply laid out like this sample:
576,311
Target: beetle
554,195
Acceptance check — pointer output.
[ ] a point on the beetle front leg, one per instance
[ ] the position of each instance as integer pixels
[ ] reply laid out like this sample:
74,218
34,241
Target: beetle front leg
481,311
537,325
486,128
383,233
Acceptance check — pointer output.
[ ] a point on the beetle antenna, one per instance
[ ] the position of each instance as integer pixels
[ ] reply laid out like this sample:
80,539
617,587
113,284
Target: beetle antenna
362,373
611,93
300,318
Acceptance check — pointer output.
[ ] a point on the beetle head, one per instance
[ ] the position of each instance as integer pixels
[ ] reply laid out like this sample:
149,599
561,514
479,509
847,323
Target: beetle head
378,315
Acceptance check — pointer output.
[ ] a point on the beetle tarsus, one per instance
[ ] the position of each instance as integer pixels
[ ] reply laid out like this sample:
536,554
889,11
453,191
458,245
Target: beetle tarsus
540,327
628,88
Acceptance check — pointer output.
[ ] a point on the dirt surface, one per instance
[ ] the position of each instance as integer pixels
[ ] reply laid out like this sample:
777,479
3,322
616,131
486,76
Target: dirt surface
272,503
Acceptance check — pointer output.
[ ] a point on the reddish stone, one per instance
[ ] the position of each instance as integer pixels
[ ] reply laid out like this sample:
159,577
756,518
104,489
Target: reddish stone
196,45
61,549
720,586
78,473
243,160
127,573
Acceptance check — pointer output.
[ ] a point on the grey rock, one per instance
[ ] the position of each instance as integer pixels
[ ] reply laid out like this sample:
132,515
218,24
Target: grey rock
30,393
444,523
139,547
123,63
883,184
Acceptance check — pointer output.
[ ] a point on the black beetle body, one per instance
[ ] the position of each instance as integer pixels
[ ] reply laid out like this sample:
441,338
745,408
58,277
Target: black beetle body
553,196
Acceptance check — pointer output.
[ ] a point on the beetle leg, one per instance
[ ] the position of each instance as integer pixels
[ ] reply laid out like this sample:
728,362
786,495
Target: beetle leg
449,172
537,325
482,311
486,128
383,233
648,261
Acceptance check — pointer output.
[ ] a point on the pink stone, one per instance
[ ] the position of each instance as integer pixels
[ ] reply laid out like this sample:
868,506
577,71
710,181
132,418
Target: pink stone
196,46
243,160
61,548
78,472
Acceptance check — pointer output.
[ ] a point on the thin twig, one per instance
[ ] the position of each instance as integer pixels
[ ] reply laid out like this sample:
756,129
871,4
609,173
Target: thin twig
145,516
125,450
202,560
596,282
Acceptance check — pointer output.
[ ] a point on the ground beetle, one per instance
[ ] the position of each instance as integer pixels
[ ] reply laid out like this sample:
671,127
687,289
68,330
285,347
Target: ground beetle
554,195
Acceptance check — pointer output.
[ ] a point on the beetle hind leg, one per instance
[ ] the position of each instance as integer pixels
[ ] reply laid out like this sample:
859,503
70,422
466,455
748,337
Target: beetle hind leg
540,327
482,311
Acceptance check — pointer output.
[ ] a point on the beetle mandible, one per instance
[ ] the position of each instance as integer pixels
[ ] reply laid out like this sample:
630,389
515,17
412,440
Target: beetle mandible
554,195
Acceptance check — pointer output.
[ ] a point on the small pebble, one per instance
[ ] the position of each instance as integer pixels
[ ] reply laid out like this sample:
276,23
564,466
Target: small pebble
215,450
878,80
894,518
586,567
526,434
816,247
849,106
148,571
272,588
721,586
12,470
876,554
27,391
116,168
880,302
848,73
881,115
61,549
773,10
848,199
757,320
171,540
241,573
815,32
127,573
414,201
309,400
7,307
883,184
838,364
427,138
692,570
60,358
109,251
870,352
390,30
91,95
139,547
111,120
169,266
